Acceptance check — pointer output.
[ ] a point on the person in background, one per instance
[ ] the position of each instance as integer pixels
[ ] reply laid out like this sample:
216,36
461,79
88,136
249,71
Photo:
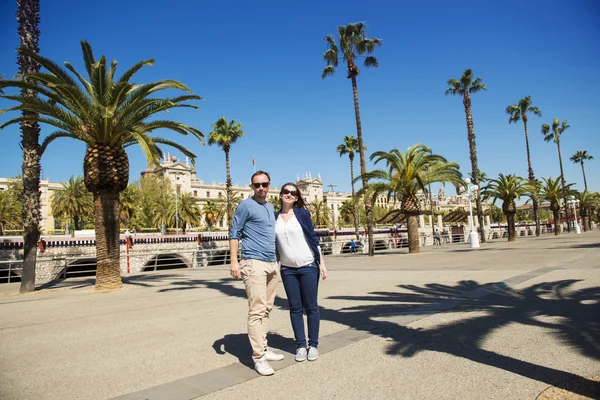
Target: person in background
301,266
254,223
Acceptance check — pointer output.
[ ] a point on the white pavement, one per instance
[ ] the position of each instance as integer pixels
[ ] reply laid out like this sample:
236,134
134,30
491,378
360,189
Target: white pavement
502,322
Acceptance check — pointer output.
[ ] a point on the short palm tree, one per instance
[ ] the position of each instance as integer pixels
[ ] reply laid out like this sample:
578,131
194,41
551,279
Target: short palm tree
347,212
224,135
73,202
465,86
579,157
508,189
352,44
587,202
161,213
406,175
519,112
107,114
350,147
554,133
553,191
320,213
129,200
213,211
10,212
188,211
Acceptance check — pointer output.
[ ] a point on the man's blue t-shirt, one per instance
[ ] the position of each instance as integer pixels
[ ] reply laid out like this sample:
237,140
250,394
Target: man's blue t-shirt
254,224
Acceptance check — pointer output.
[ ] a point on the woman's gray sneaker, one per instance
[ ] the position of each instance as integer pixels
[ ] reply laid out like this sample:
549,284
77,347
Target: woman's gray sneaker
313,353
301,354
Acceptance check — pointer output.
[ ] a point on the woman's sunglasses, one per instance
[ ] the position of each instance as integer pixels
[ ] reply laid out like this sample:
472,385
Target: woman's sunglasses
263,184
292,192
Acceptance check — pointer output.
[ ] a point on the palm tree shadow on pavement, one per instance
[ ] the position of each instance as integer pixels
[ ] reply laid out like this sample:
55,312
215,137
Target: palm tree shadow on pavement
568,313
238,345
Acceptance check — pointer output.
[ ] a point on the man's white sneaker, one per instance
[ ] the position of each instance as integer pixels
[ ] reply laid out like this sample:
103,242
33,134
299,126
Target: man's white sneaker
262,367
301,354
270,355
313,353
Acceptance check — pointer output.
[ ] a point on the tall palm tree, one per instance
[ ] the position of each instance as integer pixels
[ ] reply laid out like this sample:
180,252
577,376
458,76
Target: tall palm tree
107,115
74,202
508,189
224,135
188,212
553,133
406,175
553,191
519,112
350,146
353,44
320,213
28,17
465,86
579,157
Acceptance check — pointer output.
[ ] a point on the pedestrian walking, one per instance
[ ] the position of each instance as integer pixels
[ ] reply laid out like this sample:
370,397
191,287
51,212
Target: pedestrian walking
301,266
254,224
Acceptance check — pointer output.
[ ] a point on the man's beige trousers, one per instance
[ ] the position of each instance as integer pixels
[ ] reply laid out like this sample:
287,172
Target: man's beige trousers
260,278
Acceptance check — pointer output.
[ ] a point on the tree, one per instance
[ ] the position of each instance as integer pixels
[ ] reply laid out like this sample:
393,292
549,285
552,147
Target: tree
350,146
587,202
553,191
406,175
353,44
224,135
496,214
28,17
465,86
320,213
188,211
519,112
579,157
73,202
129,200
348,213
508,189
161,210
11,215
108,115
213,211
553,134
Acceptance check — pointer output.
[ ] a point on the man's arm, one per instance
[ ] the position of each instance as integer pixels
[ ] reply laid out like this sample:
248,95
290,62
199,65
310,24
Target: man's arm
234,267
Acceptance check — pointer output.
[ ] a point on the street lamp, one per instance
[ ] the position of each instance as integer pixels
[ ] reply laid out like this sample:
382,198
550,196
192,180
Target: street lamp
331,186
176,210
574,202
471,194
127,247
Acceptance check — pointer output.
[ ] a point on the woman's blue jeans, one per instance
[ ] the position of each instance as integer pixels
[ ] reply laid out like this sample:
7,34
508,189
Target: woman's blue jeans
301,287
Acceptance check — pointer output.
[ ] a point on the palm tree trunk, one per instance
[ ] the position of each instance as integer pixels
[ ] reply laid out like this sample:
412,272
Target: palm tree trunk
107,208
354,205
413,234
432,212
473,154
363,167
28,16
584,180
534,199
556,215
228,190
510,219
562,182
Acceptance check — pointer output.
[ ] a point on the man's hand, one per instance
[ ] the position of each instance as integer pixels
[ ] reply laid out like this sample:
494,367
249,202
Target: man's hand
234,269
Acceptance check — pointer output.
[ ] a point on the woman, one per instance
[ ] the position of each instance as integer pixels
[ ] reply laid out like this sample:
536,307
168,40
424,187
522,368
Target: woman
301,265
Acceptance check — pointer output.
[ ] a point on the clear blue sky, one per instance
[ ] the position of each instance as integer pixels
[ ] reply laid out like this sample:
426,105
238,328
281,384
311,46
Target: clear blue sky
260,63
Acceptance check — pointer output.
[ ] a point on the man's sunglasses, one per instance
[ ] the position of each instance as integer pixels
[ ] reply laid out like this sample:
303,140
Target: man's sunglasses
292,192
263,184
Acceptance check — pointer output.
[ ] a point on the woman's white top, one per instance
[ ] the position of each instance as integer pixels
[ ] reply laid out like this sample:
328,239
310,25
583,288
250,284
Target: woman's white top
291,243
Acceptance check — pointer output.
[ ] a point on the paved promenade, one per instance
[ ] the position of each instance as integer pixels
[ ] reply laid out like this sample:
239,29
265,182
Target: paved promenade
505,321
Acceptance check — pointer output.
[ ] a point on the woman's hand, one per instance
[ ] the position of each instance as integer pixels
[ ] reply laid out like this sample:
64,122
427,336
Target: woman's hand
323,271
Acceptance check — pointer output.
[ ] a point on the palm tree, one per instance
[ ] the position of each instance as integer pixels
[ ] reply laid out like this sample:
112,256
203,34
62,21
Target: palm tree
353,43
508,189
553,191
74,202
224,135
188,211
553,134
129,200
350,146
28,17
161,213
320,213
10,212
587,201
213,211
348,212
107,115
519,111
579,157
465,86
406,175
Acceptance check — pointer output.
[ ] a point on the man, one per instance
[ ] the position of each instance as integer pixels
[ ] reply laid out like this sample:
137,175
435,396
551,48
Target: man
437,238
254,224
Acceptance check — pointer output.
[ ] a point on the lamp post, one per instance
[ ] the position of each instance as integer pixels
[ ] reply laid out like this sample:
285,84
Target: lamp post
127,246
471,193
574,202
331,186
176,210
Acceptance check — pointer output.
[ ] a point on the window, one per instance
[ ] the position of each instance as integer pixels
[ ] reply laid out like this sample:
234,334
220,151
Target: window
207,193
195,193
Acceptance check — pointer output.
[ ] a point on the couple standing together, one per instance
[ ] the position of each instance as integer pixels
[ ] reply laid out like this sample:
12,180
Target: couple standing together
266,236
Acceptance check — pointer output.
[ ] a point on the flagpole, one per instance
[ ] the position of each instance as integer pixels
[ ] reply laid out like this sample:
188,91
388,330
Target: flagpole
254,162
